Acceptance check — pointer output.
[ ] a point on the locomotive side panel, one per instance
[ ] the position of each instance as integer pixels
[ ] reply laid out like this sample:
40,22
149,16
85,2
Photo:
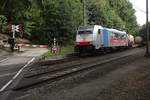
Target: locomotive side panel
118,38
105,38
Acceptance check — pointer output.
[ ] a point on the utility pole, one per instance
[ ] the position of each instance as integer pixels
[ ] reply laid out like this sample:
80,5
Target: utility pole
84,12
147,32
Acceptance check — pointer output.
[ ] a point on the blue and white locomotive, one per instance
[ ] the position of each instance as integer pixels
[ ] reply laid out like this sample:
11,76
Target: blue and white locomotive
97,38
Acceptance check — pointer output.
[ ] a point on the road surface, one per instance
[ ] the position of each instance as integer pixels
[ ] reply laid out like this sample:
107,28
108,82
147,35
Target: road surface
13,65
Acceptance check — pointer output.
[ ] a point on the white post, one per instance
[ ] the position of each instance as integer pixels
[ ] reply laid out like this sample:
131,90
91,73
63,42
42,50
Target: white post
13,34
54,42
54,47
13,30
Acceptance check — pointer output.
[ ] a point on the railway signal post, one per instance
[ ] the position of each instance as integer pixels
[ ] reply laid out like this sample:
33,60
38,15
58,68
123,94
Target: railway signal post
11,41
55,49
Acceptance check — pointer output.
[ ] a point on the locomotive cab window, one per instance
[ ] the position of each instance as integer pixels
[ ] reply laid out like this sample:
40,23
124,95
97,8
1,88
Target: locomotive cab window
85,32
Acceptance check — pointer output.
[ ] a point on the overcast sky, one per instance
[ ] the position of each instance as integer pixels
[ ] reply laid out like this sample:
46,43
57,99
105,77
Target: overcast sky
140,7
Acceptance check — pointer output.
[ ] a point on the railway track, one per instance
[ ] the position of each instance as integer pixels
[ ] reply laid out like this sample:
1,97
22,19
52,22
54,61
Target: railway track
73,64
37,79
45,67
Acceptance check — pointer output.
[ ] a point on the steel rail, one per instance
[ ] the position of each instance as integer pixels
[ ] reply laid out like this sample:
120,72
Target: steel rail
64,73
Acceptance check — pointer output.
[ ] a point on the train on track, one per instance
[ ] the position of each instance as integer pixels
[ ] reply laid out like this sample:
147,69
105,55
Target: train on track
90,39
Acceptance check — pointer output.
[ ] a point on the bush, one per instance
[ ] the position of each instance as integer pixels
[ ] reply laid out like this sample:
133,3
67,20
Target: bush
3,24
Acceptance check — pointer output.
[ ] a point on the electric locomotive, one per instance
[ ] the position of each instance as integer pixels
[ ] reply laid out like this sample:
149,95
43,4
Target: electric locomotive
90,39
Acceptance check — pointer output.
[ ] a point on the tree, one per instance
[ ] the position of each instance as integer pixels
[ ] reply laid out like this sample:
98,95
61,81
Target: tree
53,18
112,13
142,31
45,19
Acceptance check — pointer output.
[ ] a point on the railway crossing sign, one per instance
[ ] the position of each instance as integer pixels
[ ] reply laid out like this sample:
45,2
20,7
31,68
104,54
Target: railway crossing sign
15,28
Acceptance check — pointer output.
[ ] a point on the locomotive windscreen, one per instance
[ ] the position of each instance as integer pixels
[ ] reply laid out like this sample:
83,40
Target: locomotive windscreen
86,30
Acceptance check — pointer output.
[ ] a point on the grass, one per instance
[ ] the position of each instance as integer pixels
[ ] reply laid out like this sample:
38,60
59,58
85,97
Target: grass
64,51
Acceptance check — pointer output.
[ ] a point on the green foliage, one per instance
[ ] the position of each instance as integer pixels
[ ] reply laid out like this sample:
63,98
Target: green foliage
143,31
14,8
112,13
3,24
64,51
45,19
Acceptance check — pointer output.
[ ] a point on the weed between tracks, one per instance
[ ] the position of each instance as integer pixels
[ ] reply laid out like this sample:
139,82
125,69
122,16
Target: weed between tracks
64,51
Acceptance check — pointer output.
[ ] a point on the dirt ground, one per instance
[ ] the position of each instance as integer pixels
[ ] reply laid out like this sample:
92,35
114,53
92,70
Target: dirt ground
134,86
